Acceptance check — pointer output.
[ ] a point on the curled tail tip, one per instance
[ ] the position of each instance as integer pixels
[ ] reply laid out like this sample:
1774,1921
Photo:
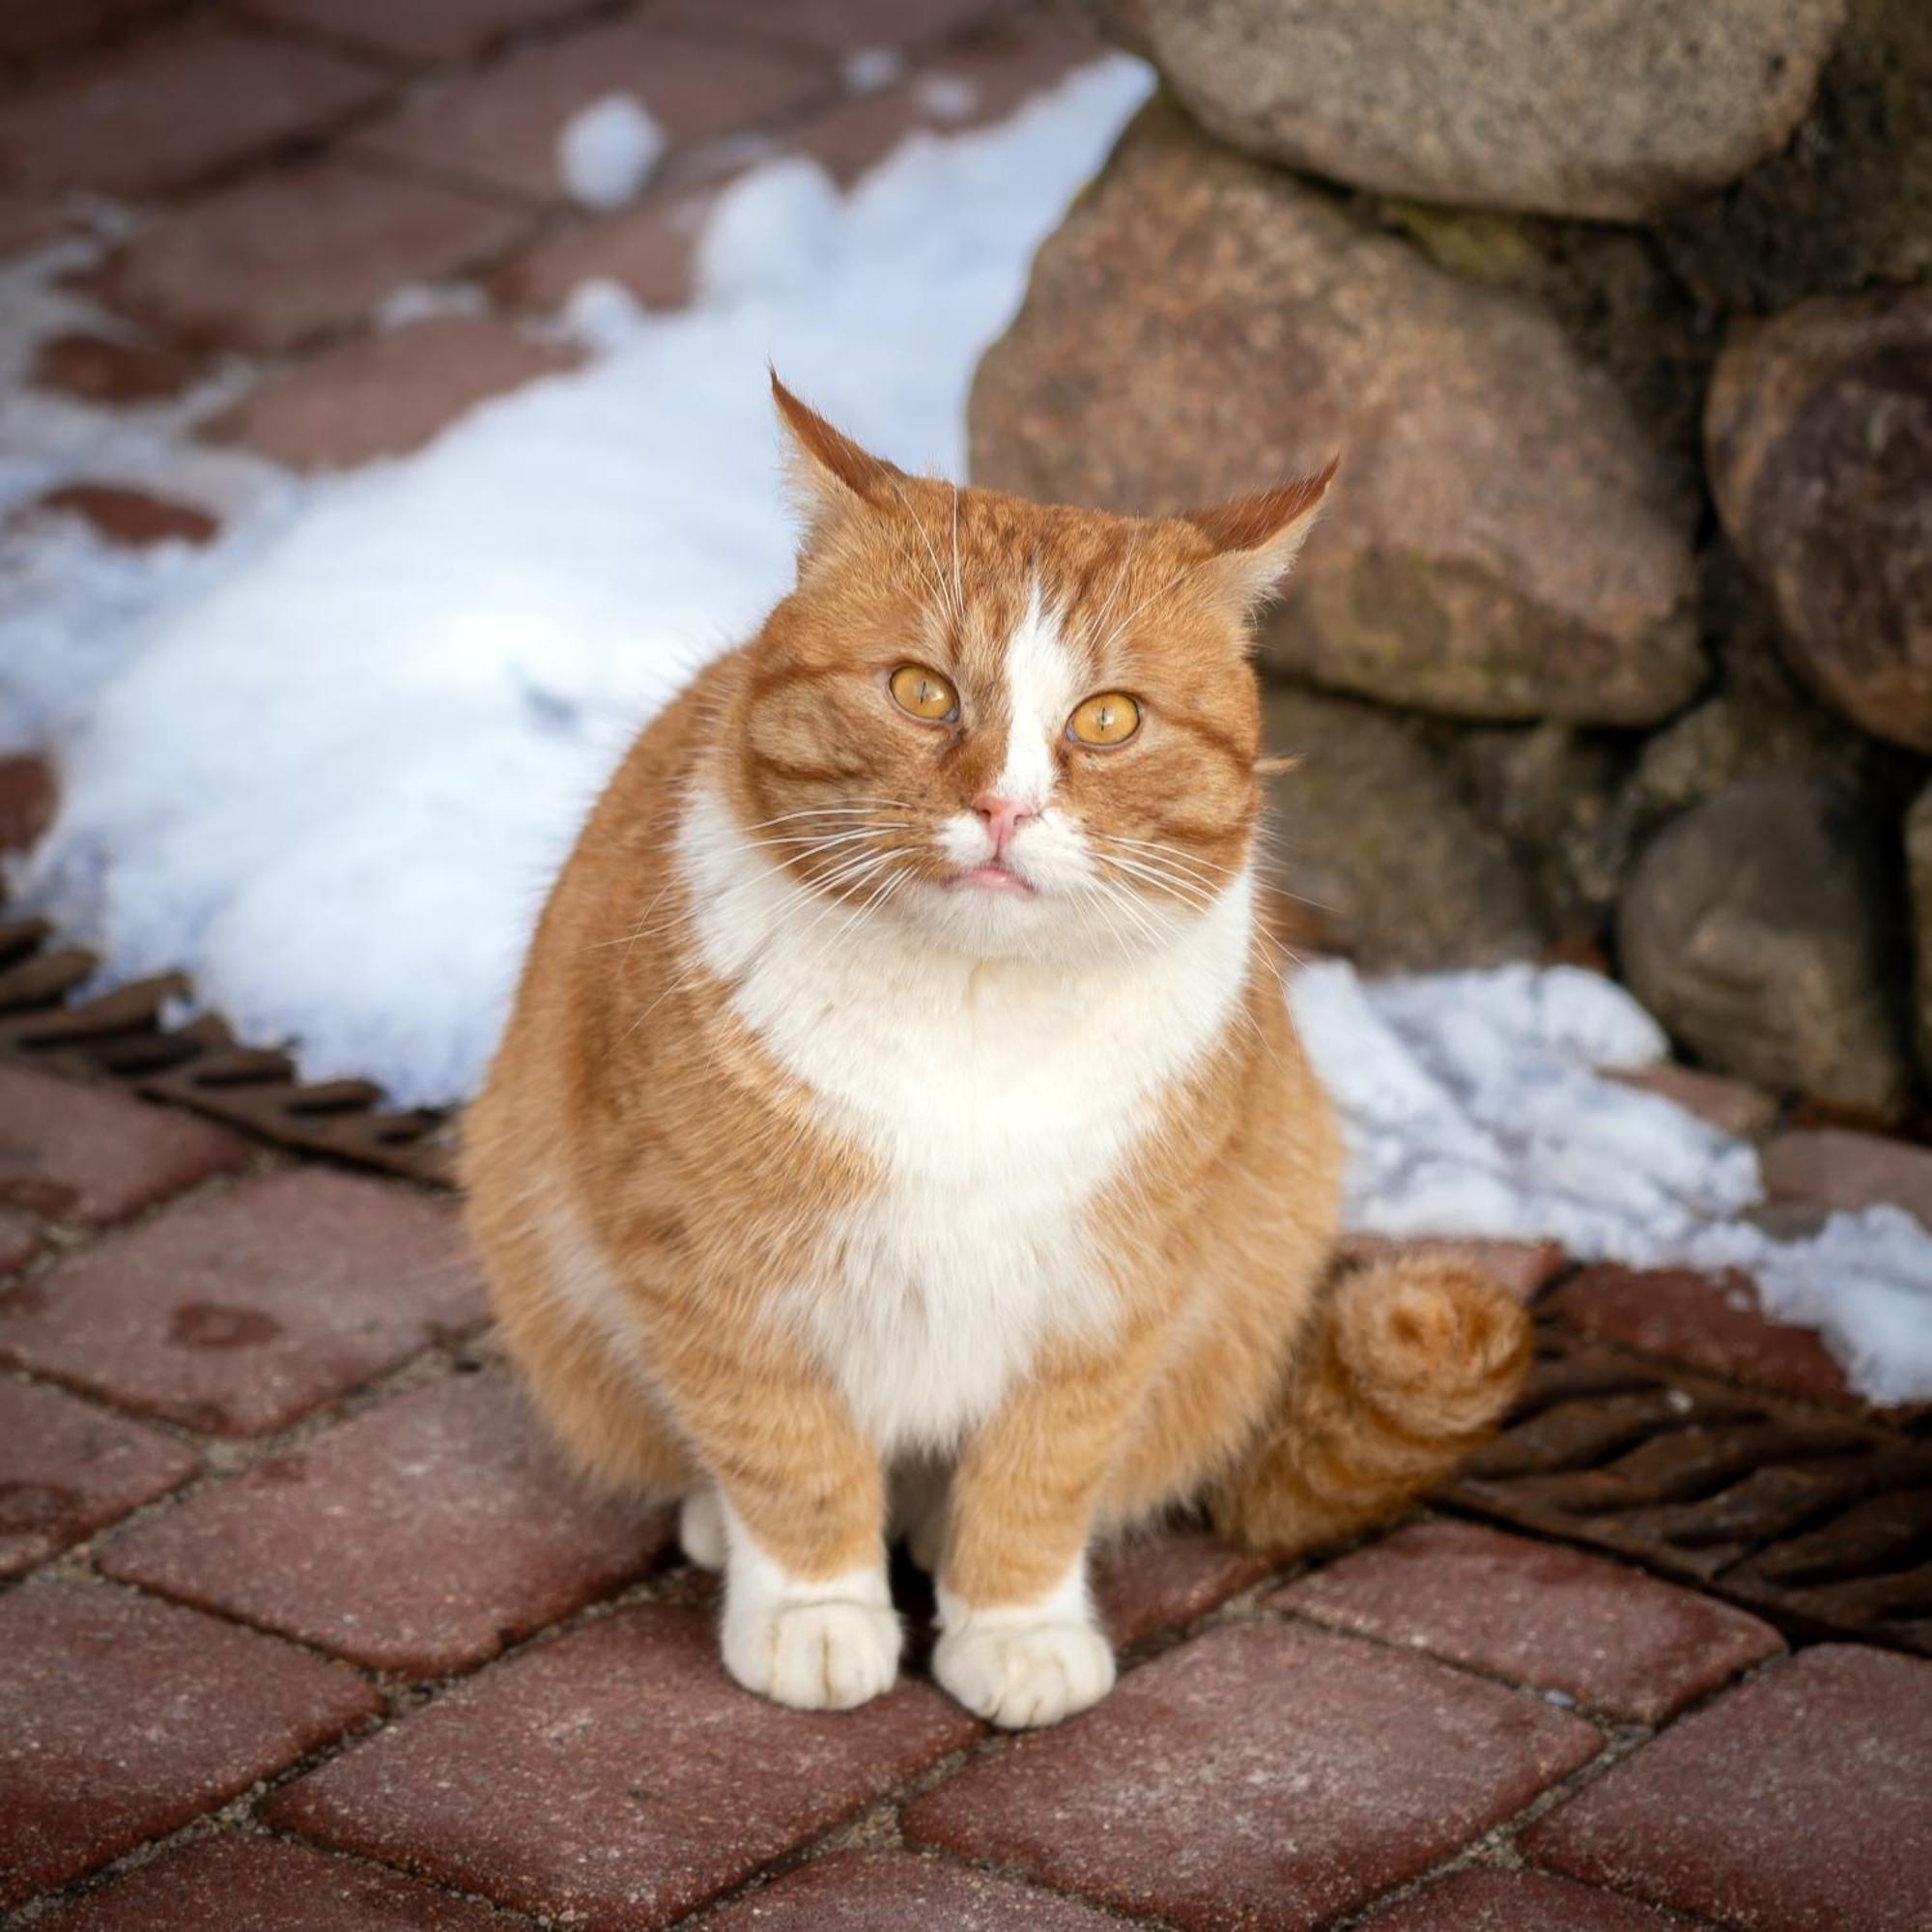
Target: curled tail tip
1411,1363
1431,1340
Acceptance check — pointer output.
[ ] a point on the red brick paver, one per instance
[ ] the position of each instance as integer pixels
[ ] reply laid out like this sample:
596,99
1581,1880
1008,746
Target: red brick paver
267,1885
1537,1614
85,1153
1797,1803
650,250
109,369
500,127
278,261
1518,1901
895,1891
66,1469
27,795
130,517
974,84
1731,1106
20,1241
122,1717
26,221
1161,1579
169,109
617,1776
422,30
386,393
1709,1320
238,1313
1261,1775
30,26
853,135
421,1537
830,27
1833,1167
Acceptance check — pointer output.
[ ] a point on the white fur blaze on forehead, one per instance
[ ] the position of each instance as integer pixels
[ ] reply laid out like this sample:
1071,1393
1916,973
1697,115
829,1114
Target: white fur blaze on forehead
1043,682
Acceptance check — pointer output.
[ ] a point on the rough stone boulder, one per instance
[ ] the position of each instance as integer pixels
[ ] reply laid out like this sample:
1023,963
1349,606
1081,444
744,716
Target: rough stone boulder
1819,436
1552,791
1610,108
1760,928
1504,541
1845,204
1729,737
1386,860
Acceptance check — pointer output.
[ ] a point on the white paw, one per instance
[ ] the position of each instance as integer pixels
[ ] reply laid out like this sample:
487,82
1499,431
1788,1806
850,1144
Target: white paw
1021,1665
824,1656
814,1643
1021,1674
700,1529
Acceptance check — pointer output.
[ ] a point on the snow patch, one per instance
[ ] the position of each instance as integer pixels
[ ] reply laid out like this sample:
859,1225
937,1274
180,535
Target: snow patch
1864,1281
872,70
606,151
427,302
1474,1106
948,96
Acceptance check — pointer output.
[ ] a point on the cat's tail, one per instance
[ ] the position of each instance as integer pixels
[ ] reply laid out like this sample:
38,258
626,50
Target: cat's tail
1409,1365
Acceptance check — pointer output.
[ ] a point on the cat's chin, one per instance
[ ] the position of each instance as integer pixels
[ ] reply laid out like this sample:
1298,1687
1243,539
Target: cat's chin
990,879
1020,921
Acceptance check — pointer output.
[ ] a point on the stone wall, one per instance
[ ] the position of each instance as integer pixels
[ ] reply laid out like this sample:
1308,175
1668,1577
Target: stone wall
1618,634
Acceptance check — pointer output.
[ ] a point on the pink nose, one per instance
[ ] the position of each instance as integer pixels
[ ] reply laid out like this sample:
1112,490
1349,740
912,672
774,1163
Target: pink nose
1002,817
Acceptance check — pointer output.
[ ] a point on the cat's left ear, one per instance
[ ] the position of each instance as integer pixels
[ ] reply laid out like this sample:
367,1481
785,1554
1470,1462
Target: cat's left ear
830,476
1257,537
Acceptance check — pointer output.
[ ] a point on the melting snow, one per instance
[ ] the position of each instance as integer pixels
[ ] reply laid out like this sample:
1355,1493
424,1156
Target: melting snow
606,151
872,70
330,766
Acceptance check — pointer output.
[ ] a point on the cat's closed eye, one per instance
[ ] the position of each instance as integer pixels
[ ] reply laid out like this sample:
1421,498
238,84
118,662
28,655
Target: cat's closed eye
924,694
1107,719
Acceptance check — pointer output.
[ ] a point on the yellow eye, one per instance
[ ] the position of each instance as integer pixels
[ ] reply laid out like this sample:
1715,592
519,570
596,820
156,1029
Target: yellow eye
924,694
1111,719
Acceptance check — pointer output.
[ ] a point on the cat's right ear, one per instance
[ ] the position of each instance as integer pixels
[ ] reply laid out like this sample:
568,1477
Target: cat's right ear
1257,537
830,477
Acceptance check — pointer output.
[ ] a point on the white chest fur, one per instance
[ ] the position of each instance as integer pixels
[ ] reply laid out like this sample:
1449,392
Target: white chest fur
997,1097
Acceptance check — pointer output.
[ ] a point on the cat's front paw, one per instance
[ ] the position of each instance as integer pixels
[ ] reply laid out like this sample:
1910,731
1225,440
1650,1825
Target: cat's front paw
1018,1672
825,1656
817,1643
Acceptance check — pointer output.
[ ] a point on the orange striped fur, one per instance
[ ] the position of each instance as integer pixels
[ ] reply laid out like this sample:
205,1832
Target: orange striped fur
900,1126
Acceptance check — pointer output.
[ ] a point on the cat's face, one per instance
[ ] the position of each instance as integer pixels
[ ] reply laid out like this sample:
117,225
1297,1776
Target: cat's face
1022,731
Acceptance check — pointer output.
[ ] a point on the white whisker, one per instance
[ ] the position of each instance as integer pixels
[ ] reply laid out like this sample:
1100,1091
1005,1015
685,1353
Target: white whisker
835,810
1192,890
936,579
958,596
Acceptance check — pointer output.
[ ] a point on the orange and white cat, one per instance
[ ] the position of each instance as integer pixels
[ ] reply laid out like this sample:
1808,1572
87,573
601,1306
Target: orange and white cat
901,1128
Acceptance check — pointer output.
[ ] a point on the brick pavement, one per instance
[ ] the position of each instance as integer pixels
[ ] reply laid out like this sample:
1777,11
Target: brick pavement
301,1627
305,1626
1710,1319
